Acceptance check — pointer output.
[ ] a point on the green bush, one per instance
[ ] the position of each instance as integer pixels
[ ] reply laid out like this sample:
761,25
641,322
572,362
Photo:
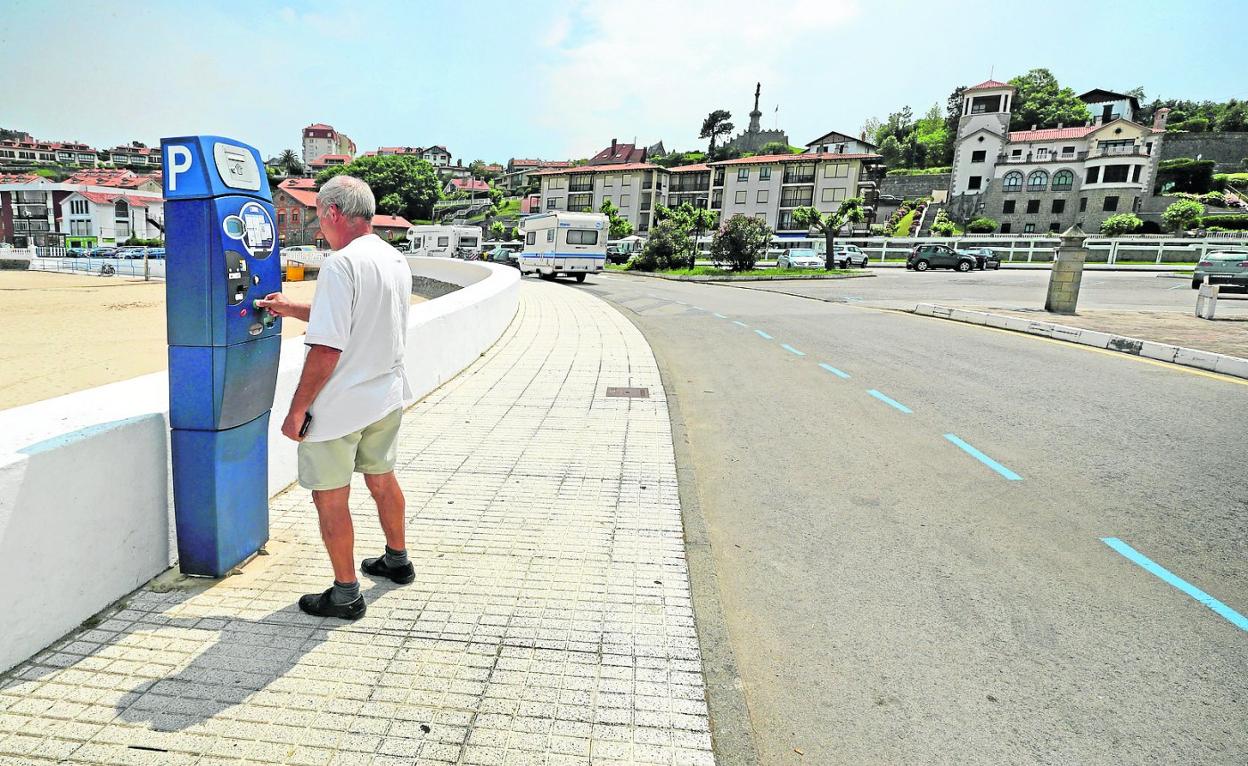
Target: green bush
1180,216
943,226
1118,225
982,225
919,171
740,243
1238,222
1184,174
663,249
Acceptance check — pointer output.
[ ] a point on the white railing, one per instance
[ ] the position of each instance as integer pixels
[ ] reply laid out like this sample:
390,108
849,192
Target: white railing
103,267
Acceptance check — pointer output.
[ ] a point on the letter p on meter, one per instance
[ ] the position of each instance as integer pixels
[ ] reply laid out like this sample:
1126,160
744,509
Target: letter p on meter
180,161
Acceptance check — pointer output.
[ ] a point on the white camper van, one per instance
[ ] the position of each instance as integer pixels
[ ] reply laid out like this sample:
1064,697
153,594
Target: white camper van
443,241
559,242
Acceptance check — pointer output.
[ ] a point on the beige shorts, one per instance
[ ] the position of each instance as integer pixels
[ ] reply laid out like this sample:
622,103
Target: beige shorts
371,450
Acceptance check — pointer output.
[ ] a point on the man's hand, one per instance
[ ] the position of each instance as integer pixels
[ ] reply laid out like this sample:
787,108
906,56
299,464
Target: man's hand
293,423
281,306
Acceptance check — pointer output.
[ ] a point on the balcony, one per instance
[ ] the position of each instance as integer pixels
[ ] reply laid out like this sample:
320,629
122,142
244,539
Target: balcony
1120,151
697,186
1034,158
799,178
574,188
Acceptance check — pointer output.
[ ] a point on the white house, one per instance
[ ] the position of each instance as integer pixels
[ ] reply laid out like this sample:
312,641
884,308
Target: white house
111,217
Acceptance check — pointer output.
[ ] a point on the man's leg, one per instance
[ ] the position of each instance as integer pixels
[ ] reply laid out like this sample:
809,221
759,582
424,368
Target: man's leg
391,507
337,531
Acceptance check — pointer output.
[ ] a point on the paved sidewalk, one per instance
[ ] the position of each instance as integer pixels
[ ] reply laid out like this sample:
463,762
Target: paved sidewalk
550,622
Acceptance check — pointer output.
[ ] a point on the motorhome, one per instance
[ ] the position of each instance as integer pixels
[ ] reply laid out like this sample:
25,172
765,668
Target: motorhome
559,242
443,241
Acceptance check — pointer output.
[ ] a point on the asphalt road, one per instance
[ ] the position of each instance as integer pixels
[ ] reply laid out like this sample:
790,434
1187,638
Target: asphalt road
1005,289
890,597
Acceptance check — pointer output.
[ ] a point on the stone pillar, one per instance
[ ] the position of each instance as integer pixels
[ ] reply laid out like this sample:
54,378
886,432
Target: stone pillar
1067,272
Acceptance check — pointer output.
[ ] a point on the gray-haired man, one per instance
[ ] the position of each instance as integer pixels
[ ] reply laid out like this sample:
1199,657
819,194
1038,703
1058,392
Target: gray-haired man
353,389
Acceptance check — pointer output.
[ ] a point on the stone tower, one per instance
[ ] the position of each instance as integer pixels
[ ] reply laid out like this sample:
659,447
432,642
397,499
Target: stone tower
755,138
756,115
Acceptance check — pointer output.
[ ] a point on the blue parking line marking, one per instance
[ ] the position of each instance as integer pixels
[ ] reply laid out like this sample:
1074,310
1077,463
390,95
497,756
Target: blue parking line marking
721,316
833,370
1148,565
763,335
792,350
738,321
891,402
981,457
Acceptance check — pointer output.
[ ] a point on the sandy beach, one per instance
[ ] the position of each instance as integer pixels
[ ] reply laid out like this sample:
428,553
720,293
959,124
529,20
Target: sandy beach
67,332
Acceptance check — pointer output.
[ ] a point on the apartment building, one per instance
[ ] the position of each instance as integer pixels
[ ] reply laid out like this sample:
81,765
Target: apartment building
320,139
32,152
636,188
840,143
41,213
1047,179
294,201
771,187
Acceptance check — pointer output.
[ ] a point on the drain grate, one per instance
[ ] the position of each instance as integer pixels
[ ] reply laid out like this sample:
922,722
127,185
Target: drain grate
628,392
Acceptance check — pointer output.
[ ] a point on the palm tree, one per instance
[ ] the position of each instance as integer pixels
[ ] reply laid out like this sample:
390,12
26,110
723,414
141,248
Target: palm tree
289,161
715,125
828,224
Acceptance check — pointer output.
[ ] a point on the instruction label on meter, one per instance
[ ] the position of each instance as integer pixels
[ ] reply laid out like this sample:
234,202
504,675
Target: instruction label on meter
258,232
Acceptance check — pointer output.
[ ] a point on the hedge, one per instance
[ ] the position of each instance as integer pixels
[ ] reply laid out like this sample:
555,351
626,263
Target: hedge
1238,221
918,171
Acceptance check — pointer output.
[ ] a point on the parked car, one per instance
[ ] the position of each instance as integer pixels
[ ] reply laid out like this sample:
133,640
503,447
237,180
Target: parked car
76,252
155,252
926,257
985,257
1225,267
799,258
849,255
500,254
102,252
129,252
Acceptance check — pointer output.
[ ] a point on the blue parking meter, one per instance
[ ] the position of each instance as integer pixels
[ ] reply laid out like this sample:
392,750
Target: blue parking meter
221,257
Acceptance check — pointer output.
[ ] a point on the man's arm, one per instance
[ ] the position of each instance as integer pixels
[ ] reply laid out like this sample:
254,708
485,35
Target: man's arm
279,305
317,368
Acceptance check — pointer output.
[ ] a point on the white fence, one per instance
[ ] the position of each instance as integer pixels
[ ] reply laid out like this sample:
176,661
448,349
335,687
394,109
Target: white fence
85,478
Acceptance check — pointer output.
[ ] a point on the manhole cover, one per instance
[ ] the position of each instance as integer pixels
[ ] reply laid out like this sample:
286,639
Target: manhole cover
628,392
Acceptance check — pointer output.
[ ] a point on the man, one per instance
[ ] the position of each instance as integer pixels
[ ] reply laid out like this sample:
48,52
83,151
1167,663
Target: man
352,390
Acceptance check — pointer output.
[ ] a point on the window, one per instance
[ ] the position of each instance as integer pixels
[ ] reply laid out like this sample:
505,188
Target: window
1007,207
1094,175
719,177
1083,204
832,195
530,238
1063,180
762,195
1115,174
740,197
764,174
444,241
1012,182
1148,147
550,235
609,181
1055,226
1038,180
122,209
1033,206
551,203
1029,228
645,201
743,174
281,217
1016,153
1059,206
294,215
582,237
974,182
580,203
1135,174
799,173
836,170
717,199
626,200
978,156
1110,203
797,196
1067,151
1005,228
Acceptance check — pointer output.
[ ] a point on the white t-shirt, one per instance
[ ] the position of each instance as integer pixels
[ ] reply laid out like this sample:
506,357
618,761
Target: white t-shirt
363,294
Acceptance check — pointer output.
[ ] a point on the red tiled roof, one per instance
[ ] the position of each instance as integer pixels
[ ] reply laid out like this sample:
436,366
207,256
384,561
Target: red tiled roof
298,183
399,150
304,196
120,178
1051,134
104,198
465,184
813,156
989,85
391,222
697,168
325,158
494,167
619,154
17,178
320,125
599,169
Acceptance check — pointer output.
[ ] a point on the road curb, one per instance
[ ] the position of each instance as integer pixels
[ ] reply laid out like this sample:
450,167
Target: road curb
1162,352
690,278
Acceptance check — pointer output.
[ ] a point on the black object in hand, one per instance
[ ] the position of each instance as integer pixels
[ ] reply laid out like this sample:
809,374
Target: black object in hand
307,421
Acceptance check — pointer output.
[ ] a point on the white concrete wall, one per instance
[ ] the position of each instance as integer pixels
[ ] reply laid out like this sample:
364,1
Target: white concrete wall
86,510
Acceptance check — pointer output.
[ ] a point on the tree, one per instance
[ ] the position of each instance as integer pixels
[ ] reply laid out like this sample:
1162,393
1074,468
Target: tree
1118,225
829,224
1042,102
740,242
890,150
496,230
777,147
662,248
619,227
953,116
289,161
390,204
1182,215
692,222
413,180
715,125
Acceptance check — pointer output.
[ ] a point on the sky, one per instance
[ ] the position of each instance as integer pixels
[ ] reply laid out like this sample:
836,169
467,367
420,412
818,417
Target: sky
559,79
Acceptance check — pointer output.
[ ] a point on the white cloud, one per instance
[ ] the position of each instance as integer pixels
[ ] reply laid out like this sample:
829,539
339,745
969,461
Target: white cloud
654,69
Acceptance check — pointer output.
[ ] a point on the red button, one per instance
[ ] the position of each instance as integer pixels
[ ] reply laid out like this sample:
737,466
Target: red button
242,312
